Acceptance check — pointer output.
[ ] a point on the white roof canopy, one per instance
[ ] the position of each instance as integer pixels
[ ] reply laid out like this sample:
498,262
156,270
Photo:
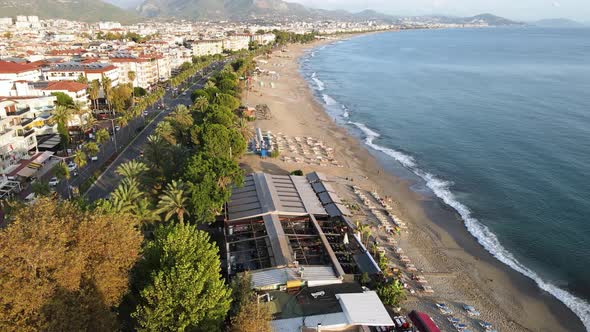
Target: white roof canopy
364,309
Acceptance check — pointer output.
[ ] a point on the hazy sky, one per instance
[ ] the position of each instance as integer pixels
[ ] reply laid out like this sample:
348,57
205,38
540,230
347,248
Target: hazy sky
514,9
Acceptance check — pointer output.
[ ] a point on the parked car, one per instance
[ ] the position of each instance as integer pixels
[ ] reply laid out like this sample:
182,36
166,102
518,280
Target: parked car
93,158
72,166
102,116
53,181
117,128
145,113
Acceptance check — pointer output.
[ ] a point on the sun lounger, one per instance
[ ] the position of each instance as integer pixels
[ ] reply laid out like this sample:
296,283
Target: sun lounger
454,320
471,311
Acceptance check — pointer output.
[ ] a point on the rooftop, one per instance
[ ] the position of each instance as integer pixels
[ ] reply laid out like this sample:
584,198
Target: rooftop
7,67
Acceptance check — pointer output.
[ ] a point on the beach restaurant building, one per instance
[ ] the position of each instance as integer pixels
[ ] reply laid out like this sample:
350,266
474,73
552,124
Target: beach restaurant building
299,250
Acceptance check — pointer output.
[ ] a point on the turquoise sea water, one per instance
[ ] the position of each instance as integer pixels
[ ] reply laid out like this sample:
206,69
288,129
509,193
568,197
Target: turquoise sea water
495,122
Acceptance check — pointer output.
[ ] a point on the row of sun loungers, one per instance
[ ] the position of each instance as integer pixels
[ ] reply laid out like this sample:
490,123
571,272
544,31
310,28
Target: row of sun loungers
456,322
304,150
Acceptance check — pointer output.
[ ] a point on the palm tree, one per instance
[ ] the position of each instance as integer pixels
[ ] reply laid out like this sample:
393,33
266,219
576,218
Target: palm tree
102,135
201,103
165,130
144,211
107,88
80,158
173,201
126,195
62,116
91,148
245,129
131,76
132,169
89,123
94,91
62,172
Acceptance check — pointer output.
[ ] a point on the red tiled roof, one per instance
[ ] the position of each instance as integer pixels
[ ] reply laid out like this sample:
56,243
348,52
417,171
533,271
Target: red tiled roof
7,67
66,85
67,52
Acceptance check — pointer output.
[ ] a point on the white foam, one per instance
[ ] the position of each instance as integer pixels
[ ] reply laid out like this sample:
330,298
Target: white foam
345,112
329,100
319,84
312,54
481,232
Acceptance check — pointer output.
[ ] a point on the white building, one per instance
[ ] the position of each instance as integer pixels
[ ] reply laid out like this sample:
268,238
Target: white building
15,141
236,42
13,71
148,70
207,47
5,21
263,39
109,25
71,71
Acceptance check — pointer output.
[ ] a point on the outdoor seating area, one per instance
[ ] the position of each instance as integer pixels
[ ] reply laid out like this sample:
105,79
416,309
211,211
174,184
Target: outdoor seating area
304,150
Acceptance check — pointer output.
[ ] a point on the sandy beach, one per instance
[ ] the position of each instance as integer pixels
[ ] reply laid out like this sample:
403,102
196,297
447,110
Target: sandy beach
457,268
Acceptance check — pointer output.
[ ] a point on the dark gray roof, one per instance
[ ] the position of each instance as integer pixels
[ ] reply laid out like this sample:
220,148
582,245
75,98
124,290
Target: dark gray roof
264,194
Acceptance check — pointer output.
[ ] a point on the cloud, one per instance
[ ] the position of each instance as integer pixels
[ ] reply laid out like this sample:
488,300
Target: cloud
556,4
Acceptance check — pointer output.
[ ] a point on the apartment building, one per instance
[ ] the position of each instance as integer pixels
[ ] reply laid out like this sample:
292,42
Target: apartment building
15,141
71,71
236,42
207,47
263,39
147,69
12,71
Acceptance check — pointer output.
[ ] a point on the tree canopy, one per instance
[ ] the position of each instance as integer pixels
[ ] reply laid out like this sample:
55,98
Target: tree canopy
64,268
185,290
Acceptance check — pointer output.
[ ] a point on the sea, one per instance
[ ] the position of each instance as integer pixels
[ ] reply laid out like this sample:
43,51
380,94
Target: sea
494,122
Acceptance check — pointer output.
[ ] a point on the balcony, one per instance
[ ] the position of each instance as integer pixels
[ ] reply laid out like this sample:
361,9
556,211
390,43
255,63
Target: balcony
26,121
19,112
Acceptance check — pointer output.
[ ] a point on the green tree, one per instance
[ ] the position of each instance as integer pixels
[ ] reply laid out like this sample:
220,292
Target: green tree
227,100
365,279
62,99
185,291
61,171
247,314
80,158
107,88
40,188
132,169
82,79
207,181
173,202
91,148
64,268
102,136
392,293
62,116
125,196
94,91
200,102
131,77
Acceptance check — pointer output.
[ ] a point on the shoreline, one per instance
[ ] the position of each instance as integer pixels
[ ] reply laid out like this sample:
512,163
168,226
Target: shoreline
459,268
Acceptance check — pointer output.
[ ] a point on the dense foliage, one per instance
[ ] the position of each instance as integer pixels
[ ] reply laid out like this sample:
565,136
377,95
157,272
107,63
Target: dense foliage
64,269
184,289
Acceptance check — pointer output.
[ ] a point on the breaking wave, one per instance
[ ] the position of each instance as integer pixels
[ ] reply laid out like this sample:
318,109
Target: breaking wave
319,84
442,189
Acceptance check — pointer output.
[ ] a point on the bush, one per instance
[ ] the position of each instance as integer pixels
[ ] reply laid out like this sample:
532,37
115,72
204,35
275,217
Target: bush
297,172
274,154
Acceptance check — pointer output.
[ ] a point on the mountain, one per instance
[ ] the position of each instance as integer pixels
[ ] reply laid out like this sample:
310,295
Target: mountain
82,10
221,9
489,19
558,23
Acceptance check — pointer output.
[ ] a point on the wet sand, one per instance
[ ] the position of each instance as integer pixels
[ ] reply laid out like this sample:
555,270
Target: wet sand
459,270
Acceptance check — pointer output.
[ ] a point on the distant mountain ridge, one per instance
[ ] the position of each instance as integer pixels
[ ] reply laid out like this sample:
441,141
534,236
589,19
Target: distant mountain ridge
82,10
558,23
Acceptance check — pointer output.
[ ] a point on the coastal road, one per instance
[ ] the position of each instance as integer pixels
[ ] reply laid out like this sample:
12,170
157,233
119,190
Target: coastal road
109,179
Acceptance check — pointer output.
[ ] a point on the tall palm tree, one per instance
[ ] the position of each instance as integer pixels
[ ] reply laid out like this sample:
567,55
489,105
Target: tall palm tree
62,116
245,129
143,210
80,158
126,195
102,135
173,201
201,103
107,88
131,76
132,169
94,91
364,232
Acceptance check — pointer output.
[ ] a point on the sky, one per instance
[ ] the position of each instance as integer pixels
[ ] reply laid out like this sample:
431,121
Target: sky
526,10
